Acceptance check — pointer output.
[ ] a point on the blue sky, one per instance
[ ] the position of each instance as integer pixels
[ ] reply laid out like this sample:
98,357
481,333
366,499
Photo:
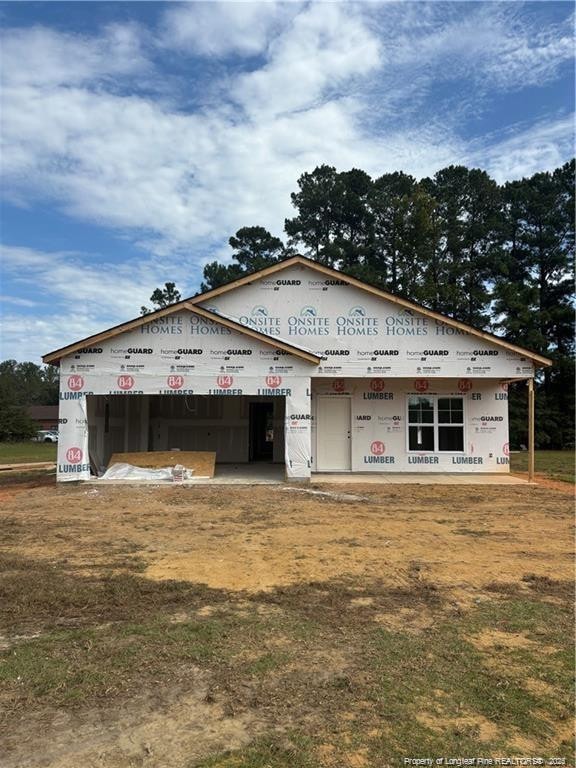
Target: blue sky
138,136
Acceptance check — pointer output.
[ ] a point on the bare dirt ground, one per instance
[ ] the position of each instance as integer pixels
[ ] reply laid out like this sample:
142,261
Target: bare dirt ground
263,537
167,626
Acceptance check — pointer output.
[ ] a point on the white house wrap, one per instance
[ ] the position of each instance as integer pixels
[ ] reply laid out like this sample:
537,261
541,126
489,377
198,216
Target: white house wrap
296,364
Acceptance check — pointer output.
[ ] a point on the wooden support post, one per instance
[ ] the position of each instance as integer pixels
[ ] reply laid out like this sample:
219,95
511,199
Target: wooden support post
530,383
144,402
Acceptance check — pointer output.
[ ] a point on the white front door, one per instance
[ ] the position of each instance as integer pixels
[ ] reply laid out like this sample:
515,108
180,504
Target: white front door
333,434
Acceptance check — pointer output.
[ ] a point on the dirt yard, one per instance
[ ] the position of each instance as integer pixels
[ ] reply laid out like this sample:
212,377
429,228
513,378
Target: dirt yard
279,626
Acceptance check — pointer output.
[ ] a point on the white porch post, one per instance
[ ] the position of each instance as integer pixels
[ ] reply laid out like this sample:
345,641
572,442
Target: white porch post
530,429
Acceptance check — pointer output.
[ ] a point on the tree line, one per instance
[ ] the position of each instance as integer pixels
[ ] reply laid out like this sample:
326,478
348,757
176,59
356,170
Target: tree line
22,385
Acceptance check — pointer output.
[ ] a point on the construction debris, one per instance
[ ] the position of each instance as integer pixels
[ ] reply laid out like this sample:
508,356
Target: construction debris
337,496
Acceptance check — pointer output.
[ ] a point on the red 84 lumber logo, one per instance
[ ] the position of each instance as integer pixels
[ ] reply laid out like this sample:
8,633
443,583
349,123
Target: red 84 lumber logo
377,385
125,382
377,448
75,383
74,455
273,381
175,382
224,381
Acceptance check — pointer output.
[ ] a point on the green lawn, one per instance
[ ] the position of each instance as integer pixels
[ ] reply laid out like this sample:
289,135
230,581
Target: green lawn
557,465
18,453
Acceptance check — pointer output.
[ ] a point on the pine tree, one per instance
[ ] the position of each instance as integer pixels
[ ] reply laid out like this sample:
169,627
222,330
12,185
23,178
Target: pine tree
163,297
254,248
467,214
534,290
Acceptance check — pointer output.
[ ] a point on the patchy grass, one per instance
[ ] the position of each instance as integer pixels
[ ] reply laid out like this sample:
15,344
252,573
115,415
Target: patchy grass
19,453
353,671
290,751
27,479
308,655
267,663
434,694
86,665
556,465
41,595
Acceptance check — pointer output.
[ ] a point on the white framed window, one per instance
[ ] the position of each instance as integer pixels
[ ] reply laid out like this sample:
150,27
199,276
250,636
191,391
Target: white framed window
435,423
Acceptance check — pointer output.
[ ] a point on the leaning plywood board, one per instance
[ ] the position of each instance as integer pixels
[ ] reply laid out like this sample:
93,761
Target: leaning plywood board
202,462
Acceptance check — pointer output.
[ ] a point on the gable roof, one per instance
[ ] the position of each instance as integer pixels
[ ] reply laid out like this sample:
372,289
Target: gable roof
309,357
404,303
193,302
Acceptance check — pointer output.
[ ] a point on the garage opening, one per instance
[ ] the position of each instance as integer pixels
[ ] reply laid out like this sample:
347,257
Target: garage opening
239,429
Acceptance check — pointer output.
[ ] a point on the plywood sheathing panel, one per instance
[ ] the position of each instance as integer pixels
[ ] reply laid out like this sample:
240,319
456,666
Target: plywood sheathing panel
202,462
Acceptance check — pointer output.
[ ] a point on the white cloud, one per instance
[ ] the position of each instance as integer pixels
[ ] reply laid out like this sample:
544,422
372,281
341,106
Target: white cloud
97,286
41,334
531,57
184,180
529,149
327,45
491,44
39,56
82,294
18,302
192,179
224,28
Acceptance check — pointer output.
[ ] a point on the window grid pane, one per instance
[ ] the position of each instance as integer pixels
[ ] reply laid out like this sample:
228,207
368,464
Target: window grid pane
420,410
439,418
450,410
450,438
421,438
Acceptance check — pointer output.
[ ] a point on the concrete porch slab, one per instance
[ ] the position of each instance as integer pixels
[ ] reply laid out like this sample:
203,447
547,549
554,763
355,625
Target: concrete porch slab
422,478
248,474
274,474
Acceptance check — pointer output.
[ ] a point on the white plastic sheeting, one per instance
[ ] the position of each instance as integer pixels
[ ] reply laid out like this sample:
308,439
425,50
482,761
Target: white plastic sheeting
297,431
122,471
73,460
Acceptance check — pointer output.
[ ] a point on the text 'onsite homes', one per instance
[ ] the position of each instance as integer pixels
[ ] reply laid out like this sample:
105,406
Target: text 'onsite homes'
296,364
